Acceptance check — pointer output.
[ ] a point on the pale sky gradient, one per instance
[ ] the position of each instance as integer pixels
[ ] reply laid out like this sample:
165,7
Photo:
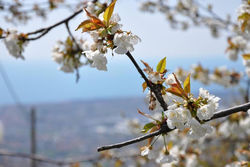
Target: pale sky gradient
37,80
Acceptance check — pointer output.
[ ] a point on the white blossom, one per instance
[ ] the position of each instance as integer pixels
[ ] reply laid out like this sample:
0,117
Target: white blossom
204,93
240,42
232,54
165,158
99,60
206,111
124,42
67,67
244,8
86,46
245,125
148,151
177,117
145,151
224,129
199,73
94,35
154,77
60,55
115,18
224,77
232,129
14,45
234,164
170,79
171,99
191,161
198,130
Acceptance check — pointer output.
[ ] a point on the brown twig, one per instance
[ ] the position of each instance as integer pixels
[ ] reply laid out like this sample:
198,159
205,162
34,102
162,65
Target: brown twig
215,15
166,129
153,87
247,91
44,31
71,35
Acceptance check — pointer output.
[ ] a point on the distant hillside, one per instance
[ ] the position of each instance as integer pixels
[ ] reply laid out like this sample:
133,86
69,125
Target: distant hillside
70,129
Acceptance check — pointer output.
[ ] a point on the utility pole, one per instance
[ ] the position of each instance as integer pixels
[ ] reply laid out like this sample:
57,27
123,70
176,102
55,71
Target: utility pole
33,135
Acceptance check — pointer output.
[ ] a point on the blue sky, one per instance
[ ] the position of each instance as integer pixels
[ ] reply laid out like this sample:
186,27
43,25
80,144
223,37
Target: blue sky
37,80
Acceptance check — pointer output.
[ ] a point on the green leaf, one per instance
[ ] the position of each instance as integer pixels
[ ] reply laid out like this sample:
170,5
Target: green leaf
186,84
161,65
69,42
108,12
147,127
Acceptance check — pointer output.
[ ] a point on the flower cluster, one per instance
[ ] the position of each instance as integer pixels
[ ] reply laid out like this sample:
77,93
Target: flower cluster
246,63
106,34
183,13
237,126
15,43
181,150
236,44
241,43
184,112
199,73
220,75
68,55
225,77
191,112
244,15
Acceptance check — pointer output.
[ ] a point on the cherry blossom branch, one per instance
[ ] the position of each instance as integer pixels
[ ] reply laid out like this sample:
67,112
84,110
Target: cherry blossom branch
214,15
165,129
44,31
153,87
226,112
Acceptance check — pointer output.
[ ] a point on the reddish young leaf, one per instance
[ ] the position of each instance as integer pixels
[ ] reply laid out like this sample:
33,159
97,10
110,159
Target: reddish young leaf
87,25
94,19
177,81
148,68
175,90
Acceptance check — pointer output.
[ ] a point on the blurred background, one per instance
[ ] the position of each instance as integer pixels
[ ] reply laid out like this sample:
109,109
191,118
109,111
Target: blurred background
73,119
